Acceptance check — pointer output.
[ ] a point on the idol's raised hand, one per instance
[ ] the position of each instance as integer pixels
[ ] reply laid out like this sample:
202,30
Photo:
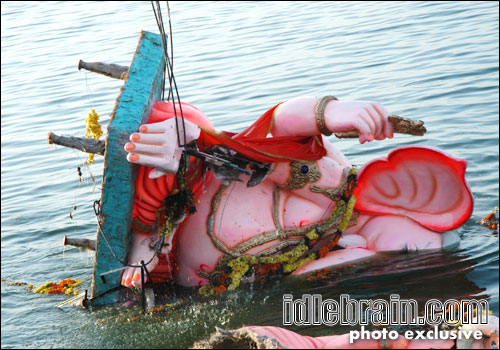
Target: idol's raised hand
156,145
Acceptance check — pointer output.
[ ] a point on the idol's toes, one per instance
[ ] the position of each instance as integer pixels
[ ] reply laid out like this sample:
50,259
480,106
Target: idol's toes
132,277
136,279
127,277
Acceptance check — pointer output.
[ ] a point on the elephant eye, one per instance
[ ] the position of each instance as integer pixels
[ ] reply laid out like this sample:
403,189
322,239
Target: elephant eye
304,169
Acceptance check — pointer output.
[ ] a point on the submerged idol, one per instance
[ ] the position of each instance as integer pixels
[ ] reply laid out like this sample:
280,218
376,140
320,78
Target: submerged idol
303,202
214,209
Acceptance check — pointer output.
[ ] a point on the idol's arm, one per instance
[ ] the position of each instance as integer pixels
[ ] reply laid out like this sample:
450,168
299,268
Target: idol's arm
305,116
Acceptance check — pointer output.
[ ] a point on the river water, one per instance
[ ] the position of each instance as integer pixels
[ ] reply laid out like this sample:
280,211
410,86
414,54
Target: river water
435,61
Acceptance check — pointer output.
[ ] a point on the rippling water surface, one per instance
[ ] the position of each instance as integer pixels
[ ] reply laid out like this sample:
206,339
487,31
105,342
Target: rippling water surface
432,61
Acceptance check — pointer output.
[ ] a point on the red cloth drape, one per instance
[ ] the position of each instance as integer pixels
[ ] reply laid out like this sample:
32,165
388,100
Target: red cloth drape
253,143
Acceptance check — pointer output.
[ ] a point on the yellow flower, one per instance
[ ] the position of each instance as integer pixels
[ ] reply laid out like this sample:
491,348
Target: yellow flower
94,130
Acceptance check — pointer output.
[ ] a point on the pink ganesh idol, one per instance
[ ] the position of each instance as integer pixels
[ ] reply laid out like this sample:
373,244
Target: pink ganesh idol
303,199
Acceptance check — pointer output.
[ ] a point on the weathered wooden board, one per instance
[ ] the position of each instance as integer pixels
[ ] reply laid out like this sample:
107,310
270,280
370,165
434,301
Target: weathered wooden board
143,86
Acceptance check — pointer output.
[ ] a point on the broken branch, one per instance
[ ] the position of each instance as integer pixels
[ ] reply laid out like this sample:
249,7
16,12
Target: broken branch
400,125
79,143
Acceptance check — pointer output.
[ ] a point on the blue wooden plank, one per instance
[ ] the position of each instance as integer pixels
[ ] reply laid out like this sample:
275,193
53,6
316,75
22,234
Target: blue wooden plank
133,105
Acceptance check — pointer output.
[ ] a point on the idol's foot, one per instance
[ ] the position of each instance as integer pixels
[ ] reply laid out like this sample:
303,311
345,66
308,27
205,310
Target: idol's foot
142,249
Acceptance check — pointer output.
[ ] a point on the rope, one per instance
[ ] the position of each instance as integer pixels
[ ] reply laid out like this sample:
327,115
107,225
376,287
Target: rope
169,68
159,243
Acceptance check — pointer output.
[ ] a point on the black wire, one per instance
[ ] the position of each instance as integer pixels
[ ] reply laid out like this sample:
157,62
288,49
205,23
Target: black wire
168,66
162,33
97,212
172,80
171,40
165,45
171,66
170,71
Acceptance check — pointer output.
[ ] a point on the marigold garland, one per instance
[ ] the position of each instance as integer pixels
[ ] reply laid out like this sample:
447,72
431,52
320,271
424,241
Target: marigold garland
66,286
94,130
239,266
20,284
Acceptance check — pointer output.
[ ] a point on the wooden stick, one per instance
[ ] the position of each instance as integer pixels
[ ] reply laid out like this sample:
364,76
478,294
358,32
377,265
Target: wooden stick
80,300
401,126
80,242
79,143
109,69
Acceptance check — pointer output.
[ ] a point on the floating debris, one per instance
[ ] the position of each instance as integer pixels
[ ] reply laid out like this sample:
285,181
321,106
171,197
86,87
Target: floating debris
66,286
19,284
490,220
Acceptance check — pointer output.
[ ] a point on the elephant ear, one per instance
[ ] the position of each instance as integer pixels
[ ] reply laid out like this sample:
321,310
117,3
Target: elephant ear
422,183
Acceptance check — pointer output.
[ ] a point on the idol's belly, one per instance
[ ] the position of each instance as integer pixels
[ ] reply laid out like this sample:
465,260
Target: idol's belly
227,218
